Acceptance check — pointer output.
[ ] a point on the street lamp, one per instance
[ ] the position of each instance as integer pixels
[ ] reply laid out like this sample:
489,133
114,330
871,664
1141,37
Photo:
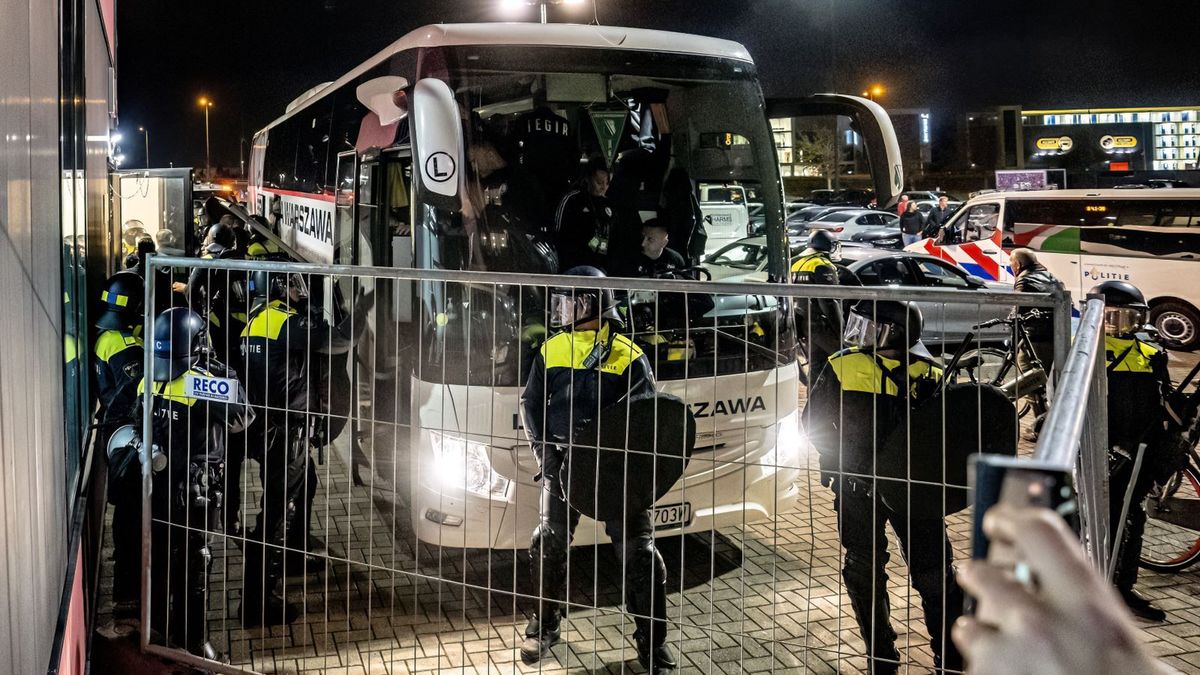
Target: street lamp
873,92
513,6
146,134
206,103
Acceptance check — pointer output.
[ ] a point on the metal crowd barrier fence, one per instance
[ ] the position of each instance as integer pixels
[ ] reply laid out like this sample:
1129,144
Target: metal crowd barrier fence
390,400
1073,442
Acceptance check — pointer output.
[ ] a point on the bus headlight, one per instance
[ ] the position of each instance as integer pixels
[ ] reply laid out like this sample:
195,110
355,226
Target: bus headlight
789,442
464,465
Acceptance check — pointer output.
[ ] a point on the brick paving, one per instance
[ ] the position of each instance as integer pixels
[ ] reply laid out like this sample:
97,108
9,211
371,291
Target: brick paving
761,598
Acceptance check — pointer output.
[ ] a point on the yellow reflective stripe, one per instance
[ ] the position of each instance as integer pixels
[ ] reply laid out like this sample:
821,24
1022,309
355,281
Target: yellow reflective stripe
811,263
571,349
269,322
172,391
858,371
114,299
214,320
113,342
1136,361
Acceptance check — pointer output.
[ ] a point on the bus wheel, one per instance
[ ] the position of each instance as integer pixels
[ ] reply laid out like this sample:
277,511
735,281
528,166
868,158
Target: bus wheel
1178,323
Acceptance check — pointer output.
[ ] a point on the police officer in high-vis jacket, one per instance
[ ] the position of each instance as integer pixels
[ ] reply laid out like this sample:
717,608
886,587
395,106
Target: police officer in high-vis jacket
818,320
863,396
118,366
277,345
187,494
577,373
1138,384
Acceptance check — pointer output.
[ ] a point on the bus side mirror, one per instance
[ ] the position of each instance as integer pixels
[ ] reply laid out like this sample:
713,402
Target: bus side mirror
439,143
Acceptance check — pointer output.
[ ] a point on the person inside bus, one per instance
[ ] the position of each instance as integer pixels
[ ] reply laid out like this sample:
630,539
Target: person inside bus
656,259
586,219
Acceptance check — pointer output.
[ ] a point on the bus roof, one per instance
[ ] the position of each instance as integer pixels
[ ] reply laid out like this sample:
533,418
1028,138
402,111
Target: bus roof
533,34
1096,193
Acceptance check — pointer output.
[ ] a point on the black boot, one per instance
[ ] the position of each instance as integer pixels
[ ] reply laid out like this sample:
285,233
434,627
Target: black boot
273,611
1141,606
539,638
656,660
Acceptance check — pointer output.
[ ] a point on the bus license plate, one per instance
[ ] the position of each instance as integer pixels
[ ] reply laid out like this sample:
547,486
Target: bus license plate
672,515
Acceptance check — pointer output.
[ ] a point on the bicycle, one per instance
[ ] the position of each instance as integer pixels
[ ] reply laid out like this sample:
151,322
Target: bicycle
989,365
1172,539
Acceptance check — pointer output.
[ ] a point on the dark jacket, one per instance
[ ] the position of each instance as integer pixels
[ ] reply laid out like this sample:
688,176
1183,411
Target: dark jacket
854,406
1138,382
912,223
276,347
575,375
193,430
1037,279
935,219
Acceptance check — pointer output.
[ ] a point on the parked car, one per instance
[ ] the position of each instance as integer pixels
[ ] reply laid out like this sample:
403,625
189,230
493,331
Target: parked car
746,259
927,195
925,205
797,222
946,324
879,237
846,222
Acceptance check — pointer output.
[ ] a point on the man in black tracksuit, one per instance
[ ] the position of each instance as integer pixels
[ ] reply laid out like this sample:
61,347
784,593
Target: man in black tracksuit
577,373
187,494
277,345
862,397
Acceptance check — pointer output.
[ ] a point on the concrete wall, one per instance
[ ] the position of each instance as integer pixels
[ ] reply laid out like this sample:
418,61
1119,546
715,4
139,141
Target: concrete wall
39,466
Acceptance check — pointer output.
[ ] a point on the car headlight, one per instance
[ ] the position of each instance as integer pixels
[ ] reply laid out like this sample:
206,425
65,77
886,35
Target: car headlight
464,465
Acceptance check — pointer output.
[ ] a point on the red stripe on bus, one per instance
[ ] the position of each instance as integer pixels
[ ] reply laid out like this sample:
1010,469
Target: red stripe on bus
302,195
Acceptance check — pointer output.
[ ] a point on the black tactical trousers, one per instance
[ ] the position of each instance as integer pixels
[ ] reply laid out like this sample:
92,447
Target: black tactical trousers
644,570
183,516
289,479
1120,475
862,517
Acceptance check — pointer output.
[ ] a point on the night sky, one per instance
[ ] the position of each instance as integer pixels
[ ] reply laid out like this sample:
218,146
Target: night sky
254,56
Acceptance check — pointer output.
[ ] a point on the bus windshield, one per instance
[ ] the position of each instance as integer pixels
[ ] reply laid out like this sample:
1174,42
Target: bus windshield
571,151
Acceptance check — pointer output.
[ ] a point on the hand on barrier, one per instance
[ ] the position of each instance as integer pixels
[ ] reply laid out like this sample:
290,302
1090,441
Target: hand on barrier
1066,620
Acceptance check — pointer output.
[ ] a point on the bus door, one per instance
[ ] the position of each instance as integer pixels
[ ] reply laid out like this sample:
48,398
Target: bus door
869,120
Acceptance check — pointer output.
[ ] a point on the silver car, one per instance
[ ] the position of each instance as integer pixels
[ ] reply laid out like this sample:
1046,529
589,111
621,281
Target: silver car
846,223
946,324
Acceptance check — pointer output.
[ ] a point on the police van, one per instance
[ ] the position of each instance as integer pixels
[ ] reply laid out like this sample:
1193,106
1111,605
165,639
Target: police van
1150,238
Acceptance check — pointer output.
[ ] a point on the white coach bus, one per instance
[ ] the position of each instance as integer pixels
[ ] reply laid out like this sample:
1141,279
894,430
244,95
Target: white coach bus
393,164
1148,237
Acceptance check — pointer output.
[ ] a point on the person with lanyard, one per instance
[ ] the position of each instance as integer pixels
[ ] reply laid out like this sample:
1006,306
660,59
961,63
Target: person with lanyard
818,320
864,395
188,492
118,366
578,372
1138,389
586,220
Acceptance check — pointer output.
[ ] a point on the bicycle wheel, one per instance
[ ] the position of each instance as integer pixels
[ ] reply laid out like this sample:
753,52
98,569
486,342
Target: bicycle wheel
1172,541
979,366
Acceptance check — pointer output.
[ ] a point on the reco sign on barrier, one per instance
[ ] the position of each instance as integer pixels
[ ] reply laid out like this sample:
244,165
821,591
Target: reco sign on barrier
222,389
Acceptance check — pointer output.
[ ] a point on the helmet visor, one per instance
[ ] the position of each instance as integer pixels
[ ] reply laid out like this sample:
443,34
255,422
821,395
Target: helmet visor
1123,320
568,308
866,333
297,287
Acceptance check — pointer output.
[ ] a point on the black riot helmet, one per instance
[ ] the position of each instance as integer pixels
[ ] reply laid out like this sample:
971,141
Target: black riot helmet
822,240
570,307
884,324
121,301
222,235
179,336
1125,307
275,285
